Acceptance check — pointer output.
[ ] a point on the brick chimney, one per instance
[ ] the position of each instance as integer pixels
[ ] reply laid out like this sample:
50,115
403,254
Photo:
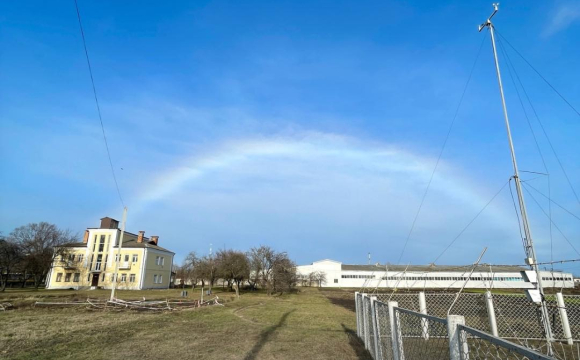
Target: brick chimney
86,237
155,239
140,237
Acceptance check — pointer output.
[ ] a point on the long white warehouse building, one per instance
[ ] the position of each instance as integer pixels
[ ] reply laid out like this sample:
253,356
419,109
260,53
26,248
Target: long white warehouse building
337,274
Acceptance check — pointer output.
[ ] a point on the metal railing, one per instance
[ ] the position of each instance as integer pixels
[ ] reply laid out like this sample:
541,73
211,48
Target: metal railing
391,332
510,316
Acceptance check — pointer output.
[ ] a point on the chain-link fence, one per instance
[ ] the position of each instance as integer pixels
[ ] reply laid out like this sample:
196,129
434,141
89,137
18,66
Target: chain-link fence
573,311
515,316
475,345
507,316
421,336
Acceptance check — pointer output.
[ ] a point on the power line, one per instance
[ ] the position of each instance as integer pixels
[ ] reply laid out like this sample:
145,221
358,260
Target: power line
555,203
471,222
537,72
97,103
441,152
540,122
556,226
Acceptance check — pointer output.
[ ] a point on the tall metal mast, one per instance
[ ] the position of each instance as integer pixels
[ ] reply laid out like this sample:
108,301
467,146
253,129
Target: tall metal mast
528,242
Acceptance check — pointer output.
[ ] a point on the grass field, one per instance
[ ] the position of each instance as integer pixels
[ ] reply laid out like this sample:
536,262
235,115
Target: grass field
311,324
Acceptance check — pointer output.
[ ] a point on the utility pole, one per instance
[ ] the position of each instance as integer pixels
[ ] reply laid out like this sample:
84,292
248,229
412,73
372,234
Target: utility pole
118,257
529,244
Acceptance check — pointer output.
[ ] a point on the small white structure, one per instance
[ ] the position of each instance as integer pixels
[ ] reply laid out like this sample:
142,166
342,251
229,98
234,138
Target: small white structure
432,276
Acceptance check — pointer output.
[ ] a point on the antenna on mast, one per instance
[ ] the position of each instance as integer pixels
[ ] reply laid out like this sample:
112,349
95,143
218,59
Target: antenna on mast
529,244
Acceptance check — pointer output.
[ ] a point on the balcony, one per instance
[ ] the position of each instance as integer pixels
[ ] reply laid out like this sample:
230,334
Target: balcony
69,265
126,265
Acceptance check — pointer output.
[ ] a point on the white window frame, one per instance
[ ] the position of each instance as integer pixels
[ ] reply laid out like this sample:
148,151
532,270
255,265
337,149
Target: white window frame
135,257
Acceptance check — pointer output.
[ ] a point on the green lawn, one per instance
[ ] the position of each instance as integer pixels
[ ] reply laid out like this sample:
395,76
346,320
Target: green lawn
311,324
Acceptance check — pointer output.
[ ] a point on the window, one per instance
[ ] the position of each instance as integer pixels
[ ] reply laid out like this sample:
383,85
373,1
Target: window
160,278
103,277
123,277
80,258
67,277
155,279
336,281
89,277
112,277
132,278
127,258
162,261
135,257
117,257
77,277
71,257
94,243
159,260
102,243
59,277
106,260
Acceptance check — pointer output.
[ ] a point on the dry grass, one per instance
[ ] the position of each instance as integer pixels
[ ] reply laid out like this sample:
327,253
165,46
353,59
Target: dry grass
305,325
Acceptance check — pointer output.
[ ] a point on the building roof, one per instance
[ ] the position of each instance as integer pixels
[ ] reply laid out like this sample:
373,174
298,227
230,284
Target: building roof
129,244
134,244
433,268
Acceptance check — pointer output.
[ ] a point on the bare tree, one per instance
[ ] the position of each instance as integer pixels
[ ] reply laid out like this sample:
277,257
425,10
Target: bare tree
188,270
262,260
207,270
10,258
284,276
276,272
234,267
319,277
41,243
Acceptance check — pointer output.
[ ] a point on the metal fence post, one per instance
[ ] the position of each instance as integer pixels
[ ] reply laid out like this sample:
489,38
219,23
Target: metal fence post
564,318
366,337
375,323
396,338
491,313
423,310
357,312
457,350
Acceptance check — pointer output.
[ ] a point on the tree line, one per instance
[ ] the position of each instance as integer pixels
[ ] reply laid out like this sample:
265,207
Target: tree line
260,267
29,250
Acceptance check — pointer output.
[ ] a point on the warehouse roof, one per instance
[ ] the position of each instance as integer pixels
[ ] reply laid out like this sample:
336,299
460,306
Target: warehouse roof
433,268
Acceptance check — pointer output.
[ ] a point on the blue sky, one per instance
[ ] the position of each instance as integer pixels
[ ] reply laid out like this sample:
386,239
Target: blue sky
312,127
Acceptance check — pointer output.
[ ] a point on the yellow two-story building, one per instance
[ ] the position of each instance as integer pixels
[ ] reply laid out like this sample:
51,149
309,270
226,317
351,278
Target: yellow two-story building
142,263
